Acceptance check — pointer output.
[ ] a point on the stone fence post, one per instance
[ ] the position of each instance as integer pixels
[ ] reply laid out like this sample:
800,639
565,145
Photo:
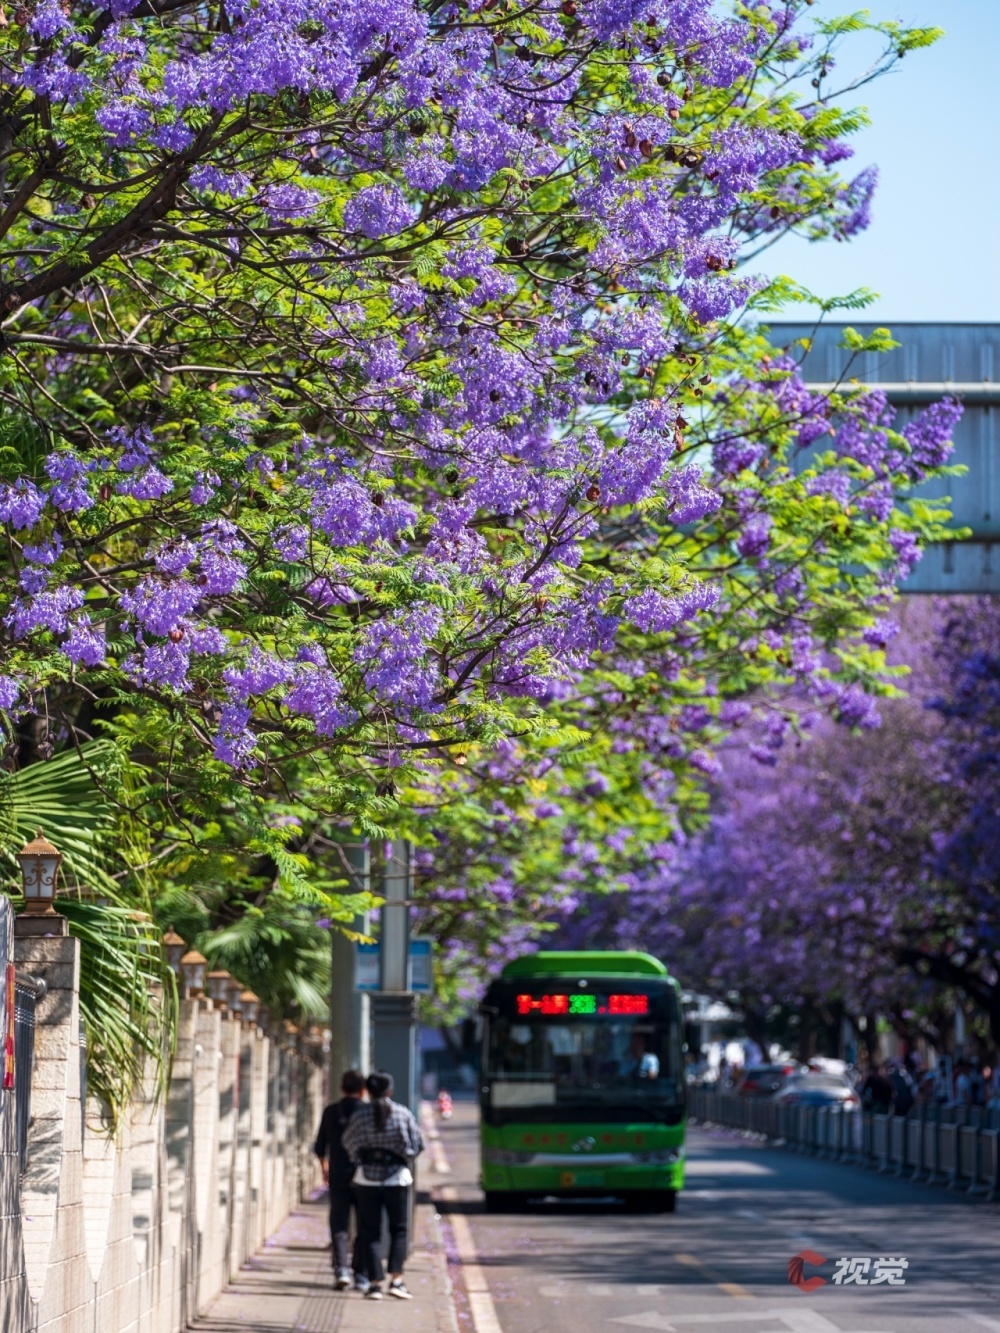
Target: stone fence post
137,1232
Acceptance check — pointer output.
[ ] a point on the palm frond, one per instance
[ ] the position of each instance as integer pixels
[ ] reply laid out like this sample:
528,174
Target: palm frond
64,797
127,995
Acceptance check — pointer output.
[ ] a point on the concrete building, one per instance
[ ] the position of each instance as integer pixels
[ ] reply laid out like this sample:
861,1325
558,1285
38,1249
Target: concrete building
933,361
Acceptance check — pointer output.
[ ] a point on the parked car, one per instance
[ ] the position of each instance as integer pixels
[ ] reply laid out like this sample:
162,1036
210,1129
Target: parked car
763,1080
813,1089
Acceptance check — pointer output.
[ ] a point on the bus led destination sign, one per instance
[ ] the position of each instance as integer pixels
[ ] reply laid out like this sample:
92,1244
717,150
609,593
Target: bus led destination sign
580,1005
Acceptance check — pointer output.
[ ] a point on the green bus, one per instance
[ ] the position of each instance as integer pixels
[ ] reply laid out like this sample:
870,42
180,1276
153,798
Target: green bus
582,1091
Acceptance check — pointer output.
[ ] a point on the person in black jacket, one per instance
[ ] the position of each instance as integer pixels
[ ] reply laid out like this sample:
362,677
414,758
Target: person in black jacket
337,1172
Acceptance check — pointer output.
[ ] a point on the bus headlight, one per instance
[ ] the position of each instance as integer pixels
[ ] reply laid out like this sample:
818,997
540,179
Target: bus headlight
506,1157
663,1155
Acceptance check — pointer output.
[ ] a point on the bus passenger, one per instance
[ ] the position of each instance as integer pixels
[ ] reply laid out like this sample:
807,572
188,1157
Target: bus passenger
641,1061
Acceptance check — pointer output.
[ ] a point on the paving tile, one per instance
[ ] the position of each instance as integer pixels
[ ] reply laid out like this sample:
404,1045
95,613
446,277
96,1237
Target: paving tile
287,1287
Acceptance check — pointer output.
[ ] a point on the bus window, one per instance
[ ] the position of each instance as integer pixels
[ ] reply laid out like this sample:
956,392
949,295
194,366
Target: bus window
608,1059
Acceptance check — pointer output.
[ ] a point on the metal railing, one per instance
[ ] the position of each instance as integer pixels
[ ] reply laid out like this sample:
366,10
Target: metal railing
939,1145
27,992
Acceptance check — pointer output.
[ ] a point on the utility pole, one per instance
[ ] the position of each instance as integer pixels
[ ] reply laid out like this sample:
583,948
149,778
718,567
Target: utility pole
350,1017
394,1012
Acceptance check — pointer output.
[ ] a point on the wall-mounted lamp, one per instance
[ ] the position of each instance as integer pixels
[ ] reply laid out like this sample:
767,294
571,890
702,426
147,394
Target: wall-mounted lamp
218,987
250,1006
40,863
174,949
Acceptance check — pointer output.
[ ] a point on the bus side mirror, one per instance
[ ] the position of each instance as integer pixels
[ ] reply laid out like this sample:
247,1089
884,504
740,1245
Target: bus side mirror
487,1010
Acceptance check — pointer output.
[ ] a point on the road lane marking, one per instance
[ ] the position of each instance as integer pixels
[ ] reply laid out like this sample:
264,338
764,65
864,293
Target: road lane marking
556,1291
796,1320
649,1320
733,1289
477,1290
439,1158
713,1167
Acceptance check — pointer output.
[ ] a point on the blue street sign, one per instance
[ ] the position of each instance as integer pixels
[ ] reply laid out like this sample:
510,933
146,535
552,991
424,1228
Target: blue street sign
366,967
421,966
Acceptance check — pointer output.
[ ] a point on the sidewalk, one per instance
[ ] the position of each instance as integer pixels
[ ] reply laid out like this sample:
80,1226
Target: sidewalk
288,1286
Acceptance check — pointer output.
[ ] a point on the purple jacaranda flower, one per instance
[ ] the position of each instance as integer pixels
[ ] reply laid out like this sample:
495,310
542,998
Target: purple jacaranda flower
204,487
690,499
756,536
159,605
46,611
654,612
376,211
69,493
259,673
45,552
855,708
234,741
85,643
21,504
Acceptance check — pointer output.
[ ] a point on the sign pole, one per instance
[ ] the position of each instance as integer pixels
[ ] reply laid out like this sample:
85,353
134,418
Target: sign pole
394,1009
350,1019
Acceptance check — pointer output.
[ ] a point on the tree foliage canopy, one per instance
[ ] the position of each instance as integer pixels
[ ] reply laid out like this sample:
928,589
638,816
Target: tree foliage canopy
381,444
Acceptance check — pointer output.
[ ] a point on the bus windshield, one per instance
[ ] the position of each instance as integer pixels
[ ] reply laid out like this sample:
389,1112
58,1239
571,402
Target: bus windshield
614,1066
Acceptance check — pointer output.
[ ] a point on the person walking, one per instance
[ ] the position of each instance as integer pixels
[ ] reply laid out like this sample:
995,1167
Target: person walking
902,1090
382,1139
337,1170
876,1092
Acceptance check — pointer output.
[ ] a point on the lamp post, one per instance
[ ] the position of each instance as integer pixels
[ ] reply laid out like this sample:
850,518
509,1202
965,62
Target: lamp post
193,966
250,1004
40,863
174,948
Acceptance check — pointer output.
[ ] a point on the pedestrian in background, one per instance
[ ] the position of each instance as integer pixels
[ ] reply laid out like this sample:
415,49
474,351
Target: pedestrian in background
902,1090
337,1172
963,1083
876,1092
382,1140
977,1080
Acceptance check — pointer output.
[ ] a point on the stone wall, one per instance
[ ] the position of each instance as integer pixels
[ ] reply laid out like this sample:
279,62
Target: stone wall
136,1234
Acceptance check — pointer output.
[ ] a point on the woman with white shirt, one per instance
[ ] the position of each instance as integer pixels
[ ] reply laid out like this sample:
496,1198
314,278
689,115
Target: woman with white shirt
382,1139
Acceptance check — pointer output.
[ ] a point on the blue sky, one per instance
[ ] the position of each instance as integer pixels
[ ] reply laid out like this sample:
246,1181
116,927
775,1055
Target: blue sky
933,249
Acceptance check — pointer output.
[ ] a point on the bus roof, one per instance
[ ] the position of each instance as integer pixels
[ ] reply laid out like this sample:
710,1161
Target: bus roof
548,963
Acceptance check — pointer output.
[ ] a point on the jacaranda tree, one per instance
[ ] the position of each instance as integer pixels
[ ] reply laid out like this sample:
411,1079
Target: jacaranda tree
374,396
862,878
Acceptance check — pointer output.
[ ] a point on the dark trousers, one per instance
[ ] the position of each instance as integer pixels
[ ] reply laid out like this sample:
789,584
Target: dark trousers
371,1200
342,1200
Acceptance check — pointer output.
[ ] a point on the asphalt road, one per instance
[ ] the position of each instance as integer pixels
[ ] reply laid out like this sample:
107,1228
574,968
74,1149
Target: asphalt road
720,1262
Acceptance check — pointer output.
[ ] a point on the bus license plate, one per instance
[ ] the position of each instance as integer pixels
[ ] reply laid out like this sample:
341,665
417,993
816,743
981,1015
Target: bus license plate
586,1179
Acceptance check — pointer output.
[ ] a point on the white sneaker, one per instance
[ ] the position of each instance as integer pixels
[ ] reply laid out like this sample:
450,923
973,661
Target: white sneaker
400,1291
343,1281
